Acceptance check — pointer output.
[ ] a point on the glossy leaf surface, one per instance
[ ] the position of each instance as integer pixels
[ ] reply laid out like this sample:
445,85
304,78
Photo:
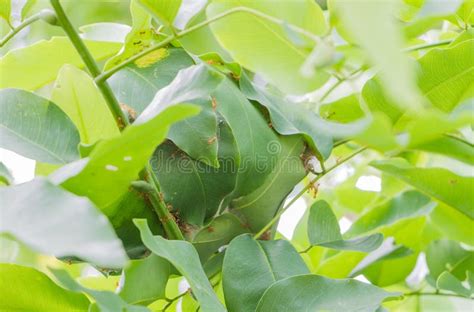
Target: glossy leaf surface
30,209
36,128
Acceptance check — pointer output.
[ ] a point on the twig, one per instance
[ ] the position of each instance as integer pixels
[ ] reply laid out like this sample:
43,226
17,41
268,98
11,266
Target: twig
104,76
293,200
15,30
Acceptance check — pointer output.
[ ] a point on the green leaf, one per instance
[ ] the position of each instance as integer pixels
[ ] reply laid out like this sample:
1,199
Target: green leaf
447,281
251,266
164,10
323,226
340,265
323,230
116,162
145,280
442,255
374,28
258,44
390,268
193,189
107,301
445,78
25,289
36,128
141,36
260,206
185,259
38,64
447,75
451,147
255,140
287,120
6,177
409,204
27,8
77,95
453,224
344,110
219,232
297,293
136,85
440,183
196,136
30,210
5,10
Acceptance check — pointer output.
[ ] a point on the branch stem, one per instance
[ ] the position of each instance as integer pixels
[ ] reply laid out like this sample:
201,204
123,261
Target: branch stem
301,193
417,293
88,59
107,74
15,30
171,228
428,45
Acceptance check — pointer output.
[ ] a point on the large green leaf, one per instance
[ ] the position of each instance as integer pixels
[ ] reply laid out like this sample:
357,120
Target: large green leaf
114,163
76,94
442,255
256,142
440,183
135,85
164,10
25,289
452,223
260,206
303,292
36,128
106,301
451,147
410,204
390,268
447,75
372,25
251,266
323,230
38,64
52,221
185,259
145,280
196,136
258,44
193,189
445,78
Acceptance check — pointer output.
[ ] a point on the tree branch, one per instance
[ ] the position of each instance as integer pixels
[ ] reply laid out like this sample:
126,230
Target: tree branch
198,26
91,65
171,228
